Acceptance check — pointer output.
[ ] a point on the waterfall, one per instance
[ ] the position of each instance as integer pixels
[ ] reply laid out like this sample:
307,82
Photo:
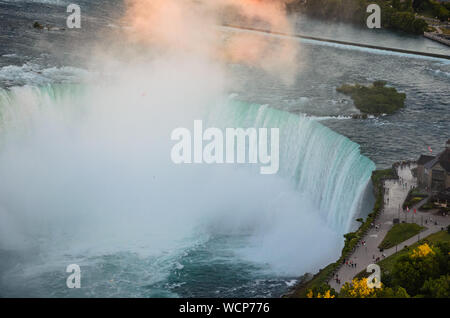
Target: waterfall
325,165
86,170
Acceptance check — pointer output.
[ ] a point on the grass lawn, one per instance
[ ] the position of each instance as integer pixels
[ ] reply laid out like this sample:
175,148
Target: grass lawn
399,233
414,197
427,206
441,236
377,175
387,264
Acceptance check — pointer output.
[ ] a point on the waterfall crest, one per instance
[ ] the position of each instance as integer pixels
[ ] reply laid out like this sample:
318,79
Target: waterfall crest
325,165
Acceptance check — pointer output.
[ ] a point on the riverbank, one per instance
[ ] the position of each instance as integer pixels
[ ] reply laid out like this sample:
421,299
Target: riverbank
435,37
406,18
396,193
323,276
393,186
398,18
439,31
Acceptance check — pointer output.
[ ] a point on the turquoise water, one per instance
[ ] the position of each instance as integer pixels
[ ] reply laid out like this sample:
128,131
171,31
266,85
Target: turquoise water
237,238
89,180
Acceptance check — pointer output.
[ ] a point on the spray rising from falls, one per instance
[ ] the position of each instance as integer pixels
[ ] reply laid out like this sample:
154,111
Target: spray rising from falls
85,176
316,160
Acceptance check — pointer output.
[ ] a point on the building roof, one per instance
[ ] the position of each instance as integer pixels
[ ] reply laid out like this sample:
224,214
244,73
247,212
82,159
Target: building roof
443,158
423,159
431,163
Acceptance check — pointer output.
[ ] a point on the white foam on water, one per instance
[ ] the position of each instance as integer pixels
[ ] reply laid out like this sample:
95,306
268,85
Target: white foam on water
34,74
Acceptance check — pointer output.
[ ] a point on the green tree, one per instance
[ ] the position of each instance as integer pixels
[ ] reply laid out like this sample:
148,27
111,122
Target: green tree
437,288
379,83
407,22
411,270
396,292
420,5
396,4
407,5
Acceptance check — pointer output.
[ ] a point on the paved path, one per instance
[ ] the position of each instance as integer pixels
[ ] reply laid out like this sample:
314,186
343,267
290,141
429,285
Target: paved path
396,192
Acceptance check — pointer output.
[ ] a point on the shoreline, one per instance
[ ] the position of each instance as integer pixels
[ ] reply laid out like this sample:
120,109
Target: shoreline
434,37
392,186
324,274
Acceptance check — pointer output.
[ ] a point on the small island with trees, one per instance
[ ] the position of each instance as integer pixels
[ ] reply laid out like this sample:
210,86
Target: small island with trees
376,99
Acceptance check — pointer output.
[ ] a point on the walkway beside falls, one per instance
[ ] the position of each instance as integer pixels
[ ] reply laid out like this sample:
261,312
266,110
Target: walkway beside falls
396,194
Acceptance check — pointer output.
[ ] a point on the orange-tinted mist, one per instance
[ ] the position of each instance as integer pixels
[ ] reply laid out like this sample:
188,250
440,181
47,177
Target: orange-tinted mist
189,26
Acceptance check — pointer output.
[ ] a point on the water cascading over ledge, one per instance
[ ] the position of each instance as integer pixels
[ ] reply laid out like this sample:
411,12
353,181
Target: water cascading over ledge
326,166
318,161
86,174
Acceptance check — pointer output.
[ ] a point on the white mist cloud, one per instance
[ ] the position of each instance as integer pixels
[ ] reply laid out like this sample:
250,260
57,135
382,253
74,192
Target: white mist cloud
88,171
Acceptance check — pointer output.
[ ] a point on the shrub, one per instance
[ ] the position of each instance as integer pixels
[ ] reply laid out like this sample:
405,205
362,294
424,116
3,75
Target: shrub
437,288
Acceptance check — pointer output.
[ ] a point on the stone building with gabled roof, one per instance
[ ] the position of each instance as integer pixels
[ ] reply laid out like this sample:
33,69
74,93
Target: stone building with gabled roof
433,172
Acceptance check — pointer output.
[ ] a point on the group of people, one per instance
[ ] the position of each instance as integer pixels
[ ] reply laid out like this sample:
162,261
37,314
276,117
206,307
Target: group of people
337,279
386,195
431,221
377,259
404,184
349,263
403,164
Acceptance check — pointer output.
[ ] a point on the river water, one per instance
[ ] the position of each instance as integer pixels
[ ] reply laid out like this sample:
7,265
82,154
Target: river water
250,236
